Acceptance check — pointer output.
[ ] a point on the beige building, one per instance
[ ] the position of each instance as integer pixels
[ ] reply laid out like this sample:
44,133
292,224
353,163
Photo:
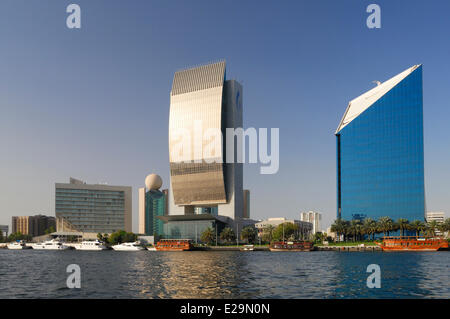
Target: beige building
437,216
92,208
32,225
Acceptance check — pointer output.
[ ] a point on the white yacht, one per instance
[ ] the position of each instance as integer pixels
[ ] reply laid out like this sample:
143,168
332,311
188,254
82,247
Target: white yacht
151,248
18,245
128,247
91,245
53,244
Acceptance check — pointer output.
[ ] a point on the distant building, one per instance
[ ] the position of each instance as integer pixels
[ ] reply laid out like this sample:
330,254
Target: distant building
97,208
152,203
314,218
305,228
437,216
331,234
32,225
4,229
246,203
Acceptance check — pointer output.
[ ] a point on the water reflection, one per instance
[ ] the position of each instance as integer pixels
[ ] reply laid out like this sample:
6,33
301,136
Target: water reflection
109,274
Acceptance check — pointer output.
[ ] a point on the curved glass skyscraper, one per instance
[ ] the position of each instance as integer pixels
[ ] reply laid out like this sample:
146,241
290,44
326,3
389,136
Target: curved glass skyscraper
206,189
380,158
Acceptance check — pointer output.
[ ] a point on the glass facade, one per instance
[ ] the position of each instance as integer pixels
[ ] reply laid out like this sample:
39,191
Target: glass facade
89,210
155,205
190,229
380,158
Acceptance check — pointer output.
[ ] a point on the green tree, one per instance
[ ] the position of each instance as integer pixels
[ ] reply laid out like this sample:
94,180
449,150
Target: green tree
248,234
2,238
19,236
339,227
386,225
403,224
417,226
431,227
208,236
319,237
103,238
267,233
370,227
50,230
121,236
355,229
227,235
444,226
286,231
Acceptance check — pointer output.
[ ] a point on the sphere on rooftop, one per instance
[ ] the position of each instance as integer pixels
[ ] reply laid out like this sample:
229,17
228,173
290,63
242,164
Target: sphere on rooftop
153,182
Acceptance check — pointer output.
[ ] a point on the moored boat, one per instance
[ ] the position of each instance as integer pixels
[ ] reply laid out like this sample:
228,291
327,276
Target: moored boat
291,246
248,248
174,245
94,245
128,247
412,243
20,244
53,244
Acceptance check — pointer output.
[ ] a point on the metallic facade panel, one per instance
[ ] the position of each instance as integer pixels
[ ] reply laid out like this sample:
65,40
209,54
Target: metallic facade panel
196,107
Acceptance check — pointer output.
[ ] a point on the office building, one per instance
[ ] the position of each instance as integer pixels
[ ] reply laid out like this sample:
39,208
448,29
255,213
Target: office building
33,225
314,218
437,216
96,208
380,157
152,203
4,230
205,189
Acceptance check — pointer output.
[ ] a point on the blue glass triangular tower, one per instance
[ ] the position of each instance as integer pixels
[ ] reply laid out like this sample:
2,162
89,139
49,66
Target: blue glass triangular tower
380,157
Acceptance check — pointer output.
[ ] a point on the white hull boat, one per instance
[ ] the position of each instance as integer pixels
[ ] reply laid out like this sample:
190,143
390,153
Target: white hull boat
91,245
128,247
53,244
18,245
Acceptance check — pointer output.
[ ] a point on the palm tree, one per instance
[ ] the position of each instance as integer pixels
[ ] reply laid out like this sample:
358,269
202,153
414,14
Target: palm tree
370,227
339,227
444,226
431,228
417,226
403,225
249,234
227,235
355,228
386,225
208,236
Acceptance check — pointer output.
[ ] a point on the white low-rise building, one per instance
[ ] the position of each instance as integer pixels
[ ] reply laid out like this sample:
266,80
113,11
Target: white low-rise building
305,228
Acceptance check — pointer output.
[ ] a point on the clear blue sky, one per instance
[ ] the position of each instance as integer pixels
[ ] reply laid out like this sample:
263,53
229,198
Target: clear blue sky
94,103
